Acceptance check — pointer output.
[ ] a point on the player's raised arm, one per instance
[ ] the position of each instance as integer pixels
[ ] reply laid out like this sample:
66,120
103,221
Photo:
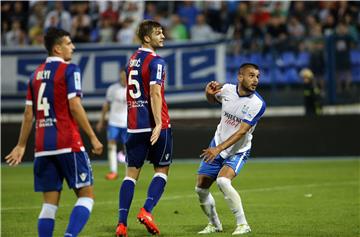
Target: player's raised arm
78,112
211,89
16,155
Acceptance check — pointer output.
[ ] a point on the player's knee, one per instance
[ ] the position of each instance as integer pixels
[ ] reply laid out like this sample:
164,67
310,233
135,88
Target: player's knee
86,202
223,183
48,211
202,191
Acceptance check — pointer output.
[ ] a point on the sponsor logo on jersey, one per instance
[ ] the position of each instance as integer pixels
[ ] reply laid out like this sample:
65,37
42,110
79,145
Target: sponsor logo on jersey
245,109
48,122
77,80
232,119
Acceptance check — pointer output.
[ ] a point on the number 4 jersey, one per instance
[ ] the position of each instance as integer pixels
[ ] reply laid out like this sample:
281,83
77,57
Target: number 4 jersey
145,68
50,87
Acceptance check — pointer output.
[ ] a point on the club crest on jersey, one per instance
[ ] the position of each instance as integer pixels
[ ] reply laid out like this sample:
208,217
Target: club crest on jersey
83,176
245,109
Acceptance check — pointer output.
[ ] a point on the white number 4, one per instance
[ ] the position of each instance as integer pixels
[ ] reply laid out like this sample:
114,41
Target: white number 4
42,102
134,82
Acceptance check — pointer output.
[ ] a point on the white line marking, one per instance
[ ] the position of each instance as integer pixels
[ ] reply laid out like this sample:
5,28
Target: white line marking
170,198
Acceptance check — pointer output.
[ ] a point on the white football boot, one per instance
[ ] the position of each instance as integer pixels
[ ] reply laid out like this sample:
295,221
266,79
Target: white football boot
210,228
241,229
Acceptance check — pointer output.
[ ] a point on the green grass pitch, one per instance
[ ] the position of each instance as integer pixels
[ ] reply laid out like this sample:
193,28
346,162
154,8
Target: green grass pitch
300,197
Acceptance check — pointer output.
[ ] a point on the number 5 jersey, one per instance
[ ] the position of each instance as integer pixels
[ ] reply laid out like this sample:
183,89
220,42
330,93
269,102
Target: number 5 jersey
145,68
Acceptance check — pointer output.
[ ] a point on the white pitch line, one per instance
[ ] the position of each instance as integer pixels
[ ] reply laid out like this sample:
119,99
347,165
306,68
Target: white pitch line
175,197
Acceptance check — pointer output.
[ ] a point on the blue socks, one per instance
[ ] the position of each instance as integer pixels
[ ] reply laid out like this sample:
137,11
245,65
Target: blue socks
125,197
46,227
155,190
79,216
46,221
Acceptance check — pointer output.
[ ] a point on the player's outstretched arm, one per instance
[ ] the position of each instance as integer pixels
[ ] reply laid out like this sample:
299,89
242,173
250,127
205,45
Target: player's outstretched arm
211,89
16,155
78,112
209,154
156,106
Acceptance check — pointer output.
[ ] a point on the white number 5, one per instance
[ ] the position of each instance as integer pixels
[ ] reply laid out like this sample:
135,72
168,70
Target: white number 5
134,82
42,102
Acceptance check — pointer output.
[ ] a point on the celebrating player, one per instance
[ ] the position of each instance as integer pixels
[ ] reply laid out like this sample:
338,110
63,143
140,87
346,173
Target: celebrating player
53,97
116,131
228,151
149,132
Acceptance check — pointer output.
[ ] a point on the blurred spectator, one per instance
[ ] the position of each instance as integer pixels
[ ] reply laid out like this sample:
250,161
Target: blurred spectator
126,34
134,11
36,33
342,57
37,14
312,95
316,45
106,31
201,31
150,11
16,36
59,17
178,30
81,24
110,13
20,13
188,12
277,31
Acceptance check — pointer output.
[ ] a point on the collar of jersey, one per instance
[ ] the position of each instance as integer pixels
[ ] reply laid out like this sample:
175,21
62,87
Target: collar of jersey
237,92
147,50
54,59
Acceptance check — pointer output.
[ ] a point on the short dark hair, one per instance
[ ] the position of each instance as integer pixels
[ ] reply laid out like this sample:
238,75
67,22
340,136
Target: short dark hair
246,65
146,27
54,36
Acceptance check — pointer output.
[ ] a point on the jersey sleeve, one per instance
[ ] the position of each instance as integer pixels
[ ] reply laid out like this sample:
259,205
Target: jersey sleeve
29,95
110,94
220,95
254,113
157,71
73,80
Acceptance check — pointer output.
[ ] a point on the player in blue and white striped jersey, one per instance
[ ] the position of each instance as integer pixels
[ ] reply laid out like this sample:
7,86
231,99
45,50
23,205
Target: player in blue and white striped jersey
242,107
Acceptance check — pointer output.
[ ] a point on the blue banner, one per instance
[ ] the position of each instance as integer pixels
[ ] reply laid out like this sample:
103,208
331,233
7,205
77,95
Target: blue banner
189,67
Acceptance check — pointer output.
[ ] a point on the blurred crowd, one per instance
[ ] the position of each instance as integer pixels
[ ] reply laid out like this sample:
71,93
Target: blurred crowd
251,25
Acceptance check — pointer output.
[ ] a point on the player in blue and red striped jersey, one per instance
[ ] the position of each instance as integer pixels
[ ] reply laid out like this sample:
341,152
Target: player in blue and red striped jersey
54,98
149,132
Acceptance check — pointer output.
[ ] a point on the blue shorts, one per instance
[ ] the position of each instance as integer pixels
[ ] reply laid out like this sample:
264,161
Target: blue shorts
236,162
117,134
50,171
139,149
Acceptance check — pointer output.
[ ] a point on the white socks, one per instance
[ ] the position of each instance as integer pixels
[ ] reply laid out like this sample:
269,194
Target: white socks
86,202
232,198
112,156
207,204
48,211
